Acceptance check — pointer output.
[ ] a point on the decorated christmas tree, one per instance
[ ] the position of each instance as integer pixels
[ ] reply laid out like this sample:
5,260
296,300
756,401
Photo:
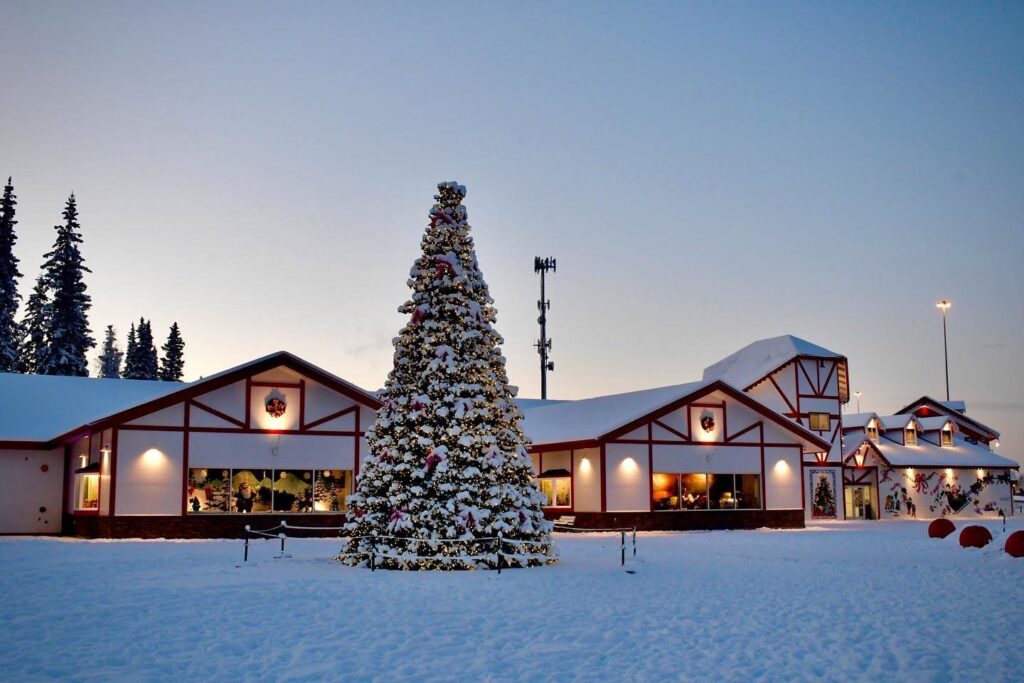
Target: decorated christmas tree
824,498
448,461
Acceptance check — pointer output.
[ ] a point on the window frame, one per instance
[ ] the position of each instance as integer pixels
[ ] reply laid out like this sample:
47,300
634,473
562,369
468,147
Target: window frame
710,479
811,420
552,499
274,475
909,436
946,436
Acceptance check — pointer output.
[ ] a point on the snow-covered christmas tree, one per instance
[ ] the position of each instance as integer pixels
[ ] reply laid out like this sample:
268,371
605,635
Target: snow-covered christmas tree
448,461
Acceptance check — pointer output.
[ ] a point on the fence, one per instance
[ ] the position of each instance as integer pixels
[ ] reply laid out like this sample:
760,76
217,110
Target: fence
373,555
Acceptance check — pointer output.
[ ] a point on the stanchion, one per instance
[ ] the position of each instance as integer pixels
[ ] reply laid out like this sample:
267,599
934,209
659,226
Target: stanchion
622,547
282,542
634,541
500,556
245,557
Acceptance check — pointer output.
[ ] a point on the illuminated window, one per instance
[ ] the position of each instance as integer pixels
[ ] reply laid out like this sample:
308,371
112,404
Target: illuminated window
556,485
910,438
213,490
87,487
706,491
872,432
946,436
820,422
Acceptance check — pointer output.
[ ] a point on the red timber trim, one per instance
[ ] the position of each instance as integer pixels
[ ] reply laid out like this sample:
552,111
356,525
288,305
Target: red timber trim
782,393
739,444
664,426
302,404
756,425
27,445
276,385
859,475
650,466
828,378
794,359
736,395
184,457
244,372
217,413
807,376
803,483
332,416
604,479
563,445
764,484
113,468
572,479
232,430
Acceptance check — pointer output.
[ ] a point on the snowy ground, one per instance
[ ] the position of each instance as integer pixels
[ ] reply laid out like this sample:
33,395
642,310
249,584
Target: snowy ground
870,601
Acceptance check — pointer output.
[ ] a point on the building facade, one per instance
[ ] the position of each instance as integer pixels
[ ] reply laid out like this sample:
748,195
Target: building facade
760,441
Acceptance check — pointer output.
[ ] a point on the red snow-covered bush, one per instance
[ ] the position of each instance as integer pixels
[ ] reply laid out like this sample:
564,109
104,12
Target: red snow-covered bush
940,528
1015,544
975,536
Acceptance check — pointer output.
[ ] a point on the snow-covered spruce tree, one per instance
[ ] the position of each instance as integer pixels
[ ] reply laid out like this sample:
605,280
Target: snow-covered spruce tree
10,335
33,328
68,337
131,355
447,460
108,365
172,365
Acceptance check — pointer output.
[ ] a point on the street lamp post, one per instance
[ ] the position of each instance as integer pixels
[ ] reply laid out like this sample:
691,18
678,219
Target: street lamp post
944,306
857,394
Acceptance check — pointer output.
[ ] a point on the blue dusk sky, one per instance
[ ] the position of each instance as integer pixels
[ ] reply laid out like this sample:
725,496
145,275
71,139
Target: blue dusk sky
706,174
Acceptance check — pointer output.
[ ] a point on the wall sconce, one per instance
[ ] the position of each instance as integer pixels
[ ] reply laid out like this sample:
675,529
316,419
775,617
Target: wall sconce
859,456
822,457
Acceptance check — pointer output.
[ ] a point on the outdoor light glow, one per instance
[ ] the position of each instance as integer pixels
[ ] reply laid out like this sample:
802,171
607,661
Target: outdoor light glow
944,304
859,457
781,468
585,465
949,472
981,474
152,458
629,465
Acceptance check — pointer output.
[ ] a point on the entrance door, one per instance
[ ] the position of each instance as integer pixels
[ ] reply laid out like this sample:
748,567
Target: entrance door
858,502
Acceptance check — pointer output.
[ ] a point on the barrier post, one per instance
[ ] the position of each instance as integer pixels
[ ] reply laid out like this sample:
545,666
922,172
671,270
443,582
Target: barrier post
499,553
634,541
282,542
373,556
245,557
622,548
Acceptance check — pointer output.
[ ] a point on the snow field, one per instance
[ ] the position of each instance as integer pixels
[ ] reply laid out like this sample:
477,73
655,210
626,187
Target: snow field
843,601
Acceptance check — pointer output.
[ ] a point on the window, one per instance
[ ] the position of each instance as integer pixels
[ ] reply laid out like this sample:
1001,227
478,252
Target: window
706,491
820,422
946,436
293,491
87,490
213,490
557,491
872,432
209,489
910,437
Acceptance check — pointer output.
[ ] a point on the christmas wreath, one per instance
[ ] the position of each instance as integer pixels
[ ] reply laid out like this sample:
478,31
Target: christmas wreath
275,403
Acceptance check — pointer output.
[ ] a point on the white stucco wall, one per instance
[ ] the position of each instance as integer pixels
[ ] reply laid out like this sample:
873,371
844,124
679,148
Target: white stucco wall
782,479
149,473
258,450
587,480
627,488
31,500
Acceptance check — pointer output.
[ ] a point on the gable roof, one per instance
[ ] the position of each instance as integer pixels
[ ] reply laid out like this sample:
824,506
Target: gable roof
860,421
91,405
927,454
41,407
942,408
757,360
899,421
606,417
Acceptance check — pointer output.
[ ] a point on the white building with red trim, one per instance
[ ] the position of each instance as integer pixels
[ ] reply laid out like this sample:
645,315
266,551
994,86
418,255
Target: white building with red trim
760,440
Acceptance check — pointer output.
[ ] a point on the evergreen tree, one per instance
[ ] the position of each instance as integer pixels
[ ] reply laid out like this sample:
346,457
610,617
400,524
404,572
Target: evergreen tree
173,363
109,362
131,356
67,335
33,328
148,365
9,331
447,458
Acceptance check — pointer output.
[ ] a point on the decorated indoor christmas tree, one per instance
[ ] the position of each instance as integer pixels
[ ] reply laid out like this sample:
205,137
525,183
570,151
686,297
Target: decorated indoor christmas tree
448,461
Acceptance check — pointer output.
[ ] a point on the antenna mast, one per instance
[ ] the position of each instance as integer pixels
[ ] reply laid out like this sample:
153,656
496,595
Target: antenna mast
542,266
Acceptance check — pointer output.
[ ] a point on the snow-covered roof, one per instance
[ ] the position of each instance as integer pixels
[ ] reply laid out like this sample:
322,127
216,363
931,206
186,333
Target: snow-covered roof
954,409
591,418
932,424
927,454
897,421
43,407
859,420
759,359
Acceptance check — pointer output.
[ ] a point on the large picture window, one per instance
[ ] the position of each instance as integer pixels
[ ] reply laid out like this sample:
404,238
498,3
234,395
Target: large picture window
557,491
209,489
700,491
87,491
213,490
